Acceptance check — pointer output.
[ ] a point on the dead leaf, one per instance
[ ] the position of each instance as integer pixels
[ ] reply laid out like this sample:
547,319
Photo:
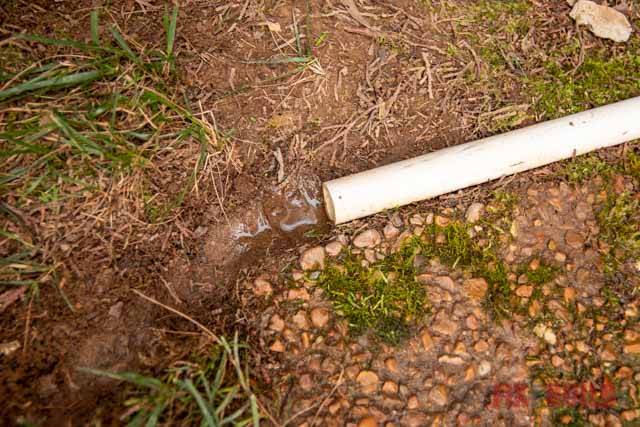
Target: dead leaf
9,297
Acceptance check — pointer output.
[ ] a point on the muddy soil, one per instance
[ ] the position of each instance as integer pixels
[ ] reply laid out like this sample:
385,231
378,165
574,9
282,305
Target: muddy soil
382,88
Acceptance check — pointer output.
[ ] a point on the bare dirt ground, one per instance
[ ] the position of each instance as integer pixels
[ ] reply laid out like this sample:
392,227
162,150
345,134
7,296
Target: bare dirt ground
135,274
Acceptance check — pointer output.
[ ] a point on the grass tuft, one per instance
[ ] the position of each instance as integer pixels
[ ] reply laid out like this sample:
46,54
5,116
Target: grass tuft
210,390
75,124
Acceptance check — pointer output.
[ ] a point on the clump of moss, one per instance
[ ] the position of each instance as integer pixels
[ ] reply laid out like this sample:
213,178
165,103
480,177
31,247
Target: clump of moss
619,222
602,78
383,297
583,169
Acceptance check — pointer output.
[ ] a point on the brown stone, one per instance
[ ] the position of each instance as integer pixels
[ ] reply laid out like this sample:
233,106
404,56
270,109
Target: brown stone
262,287
446,283
306,382
481,346
441,221
313,259
472,322
390,231
276,323
632,347
368,422
427,341
333,249
439,395
476,288
392,364
451,360
524,291
368,380
569,295
277,346
319,317
300,320
413,402
367,239
574,239
389,387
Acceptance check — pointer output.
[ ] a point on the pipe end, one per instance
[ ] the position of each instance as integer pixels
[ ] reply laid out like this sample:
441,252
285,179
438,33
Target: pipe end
328,203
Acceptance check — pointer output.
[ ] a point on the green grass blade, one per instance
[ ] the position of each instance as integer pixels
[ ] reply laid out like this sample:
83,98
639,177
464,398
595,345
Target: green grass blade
130,377
95,33
170,29
154,416
75,79
125,46
255,414
204,409
235,415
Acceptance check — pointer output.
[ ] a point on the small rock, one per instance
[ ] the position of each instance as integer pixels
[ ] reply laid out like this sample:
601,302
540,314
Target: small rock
368,380
451,360
446,283
557,361
524,291
319,317
298,293
392,364
413,402
630,415
277,346
116,309
390,231
603,21
484,368
632,347
444,326
574,239
544,332
569,295
427,341
306,382
389,387
469,373
608,353
276,324
367,239
313,259
368,422
300,320
476,288
262,287
472,322
334,248
441,221
6,348
416,220
474,212
481,346
439,395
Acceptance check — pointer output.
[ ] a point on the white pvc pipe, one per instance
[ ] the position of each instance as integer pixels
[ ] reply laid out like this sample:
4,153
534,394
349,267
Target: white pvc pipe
473,163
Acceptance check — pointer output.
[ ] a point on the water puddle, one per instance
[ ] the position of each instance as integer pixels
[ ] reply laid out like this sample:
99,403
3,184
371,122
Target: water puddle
281,218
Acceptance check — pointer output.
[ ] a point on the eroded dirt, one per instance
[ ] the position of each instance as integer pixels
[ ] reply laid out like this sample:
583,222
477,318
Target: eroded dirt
368,101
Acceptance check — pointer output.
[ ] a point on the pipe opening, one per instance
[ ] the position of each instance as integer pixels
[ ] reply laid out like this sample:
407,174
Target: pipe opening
328,203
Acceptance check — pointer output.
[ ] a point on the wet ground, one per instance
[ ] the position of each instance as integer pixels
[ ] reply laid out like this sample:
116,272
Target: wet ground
247,249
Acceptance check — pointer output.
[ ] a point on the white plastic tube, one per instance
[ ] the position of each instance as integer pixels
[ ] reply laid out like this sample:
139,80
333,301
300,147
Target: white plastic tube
473,163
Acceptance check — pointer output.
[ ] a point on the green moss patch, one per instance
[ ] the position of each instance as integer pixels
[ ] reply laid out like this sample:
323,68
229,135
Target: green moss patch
601,79
384,297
